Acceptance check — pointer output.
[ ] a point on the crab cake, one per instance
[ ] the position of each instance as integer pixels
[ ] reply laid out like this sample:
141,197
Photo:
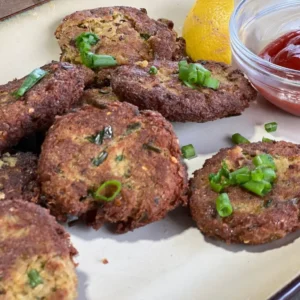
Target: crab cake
255,220
138,151
165,93
97,97
35,254
55,94
18,177
126,33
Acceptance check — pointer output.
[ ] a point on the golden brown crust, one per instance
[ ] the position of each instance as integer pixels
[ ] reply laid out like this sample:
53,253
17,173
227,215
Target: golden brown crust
30,239
153,182
255,220
166,94
54,95
18,177
126,33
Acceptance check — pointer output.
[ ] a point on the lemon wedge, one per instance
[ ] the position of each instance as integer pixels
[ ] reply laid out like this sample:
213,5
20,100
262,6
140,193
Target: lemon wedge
206,30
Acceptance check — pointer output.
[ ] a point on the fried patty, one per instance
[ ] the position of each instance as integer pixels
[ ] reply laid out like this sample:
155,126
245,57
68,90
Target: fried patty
54,95
166,94
35,254
255,220
141,152
18,177
126,33
98,97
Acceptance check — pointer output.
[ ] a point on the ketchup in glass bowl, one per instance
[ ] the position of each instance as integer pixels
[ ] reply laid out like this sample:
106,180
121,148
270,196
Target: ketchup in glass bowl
265,42
284,51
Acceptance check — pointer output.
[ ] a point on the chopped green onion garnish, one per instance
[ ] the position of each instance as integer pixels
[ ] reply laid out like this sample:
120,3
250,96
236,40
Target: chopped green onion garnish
34,278
257,175
271,127
86,38
223,205
259,188
32,79
216,187
242,178
84,42
266,140
188,151
269,174
241,171
211,83
264,160
153,70
239,139
190,85
108,191
195,74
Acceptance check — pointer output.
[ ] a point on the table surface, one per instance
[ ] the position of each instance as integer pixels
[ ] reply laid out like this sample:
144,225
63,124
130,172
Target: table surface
11,7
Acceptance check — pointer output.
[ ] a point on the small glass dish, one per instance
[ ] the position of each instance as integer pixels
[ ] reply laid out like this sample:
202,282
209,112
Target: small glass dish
254,25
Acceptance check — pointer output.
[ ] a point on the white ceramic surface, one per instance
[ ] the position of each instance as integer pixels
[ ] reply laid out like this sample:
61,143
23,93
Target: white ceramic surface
169,259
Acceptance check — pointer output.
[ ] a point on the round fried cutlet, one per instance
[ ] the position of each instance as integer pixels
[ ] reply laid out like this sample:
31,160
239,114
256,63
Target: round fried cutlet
35,254
126,33
18,177
54,95
255,220
165,93
98,97
141,151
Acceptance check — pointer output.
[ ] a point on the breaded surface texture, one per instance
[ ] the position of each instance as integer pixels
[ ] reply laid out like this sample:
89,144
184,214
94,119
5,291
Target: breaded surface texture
32,242
18,177
98,97
142,152
126,33
165,93
255,220
54,95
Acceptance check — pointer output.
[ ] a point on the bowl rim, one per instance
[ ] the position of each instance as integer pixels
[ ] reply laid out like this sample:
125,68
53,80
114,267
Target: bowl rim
250,55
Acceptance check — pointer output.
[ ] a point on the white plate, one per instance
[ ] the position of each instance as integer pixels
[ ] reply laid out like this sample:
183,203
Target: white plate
169,259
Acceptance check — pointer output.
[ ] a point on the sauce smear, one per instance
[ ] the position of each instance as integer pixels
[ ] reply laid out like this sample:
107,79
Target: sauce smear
285,51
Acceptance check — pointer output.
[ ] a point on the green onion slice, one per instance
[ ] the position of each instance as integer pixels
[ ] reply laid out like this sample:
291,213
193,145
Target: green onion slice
271,127
188,151
108,191
34,278
223,205
211,83
84,42
89,38
239,139
32,79
269,174
266,140
257,175
259,188
153,70
264,160
242,178
195,74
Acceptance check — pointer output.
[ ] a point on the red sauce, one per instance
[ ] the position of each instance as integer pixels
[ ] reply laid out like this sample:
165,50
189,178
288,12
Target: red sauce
285,51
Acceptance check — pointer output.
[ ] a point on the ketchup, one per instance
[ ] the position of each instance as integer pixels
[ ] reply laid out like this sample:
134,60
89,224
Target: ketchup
285,51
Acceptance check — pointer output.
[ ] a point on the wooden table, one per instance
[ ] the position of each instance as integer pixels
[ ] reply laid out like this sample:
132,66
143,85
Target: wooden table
11,7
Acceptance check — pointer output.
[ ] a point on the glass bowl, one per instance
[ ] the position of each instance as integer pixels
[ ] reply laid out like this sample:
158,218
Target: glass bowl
255,24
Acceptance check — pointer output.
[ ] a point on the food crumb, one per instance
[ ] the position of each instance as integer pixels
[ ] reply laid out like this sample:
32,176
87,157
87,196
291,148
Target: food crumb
104,261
